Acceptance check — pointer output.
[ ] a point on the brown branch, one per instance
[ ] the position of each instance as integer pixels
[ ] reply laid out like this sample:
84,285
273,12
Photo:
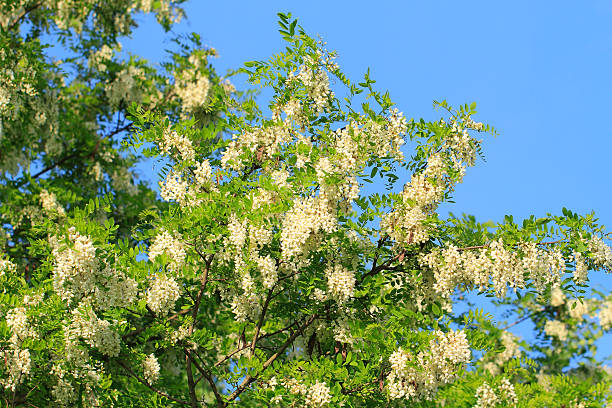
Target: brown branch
79,154
230,355
146,383
208,376
261,320
486,246
194,314
249,379
24,13
521,320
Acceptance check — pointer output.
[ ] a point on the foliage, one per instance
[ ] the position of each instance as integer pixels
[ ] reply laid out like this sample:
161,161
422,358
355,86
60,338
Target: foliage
265,274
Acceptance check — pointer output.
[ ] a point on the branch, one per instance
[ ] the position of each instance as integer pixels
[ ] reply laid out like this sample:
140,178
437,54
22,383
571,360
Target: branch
249,379
78,154
194,314
208,376
146,383
24,13
486,246
261,320
521,320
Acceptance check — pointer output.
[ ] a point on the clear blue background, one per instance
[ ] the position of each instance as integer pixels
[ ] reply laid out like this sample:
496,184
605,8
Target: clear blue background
539,71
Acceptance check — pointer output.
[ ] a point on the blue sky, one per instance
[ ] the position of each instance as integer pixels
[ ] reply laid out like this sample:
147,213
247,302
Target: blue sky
539,71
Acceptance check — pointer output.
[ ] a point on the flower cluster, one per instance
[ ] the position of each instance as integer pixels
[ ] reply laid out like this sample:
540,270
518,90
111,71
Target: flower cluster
318,395
17,321
605,315
192,84
173,140
174,188
601,253
126,88
495,266
417,377
97,60
340,282
6,266
97,333
162,294
489,397
79,273
165,243
302,222
316,81
50,204
151,369
17,367
556,328
76,266
258,142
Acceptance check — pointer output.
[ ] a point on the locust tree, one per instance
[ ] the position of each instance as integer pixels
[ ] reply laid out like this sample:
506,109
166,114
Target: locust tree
295,254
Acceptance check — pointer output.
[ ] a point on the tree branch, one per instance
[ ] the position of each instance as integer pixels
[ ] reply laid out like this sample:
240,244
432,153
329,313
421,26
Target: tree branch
249,379
146,383
24,13
261,320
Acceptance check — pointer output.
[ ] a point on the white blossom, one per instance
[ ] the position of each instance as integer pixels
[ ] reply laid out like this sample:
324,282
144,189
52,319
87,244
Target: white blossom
151,368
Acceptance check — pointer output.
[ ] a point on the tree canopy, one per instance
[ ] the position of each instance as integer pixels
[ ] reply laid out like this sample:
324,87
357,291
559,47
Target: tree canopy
264,273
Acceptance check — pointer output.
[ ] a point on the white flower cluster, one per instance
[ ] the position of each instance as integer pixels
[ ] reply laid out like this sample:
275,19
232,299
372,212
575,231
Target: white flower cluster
203,172
63,392
6,266
114,289
340,282
246,305
487,397
162,294
315,79
269,272
237,232
601,253
50,204
192,85
17,367
97,333
429,369
17,321
495,266
165,243
419,199
581,269
79,273
126,87
260,142
556,328
173,140
174,188
76,266
511,350
461,146
318,395
97,60
151,368
557,297
304,221
605,315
